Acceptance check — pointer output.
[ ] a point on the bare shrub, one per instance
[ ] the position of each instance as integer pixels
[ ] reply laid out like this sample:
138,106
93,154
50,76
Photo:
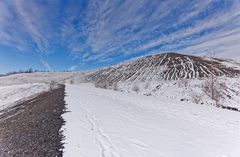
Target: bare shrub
52,85
183,83
71,82
146,86
115,87
101,84
196,97
213,88
98,84
136,88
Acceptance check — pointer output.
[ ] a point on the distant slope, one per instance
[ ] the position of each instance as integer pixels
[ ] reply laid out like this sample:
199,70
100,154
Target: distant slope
168,66
154,68
40,77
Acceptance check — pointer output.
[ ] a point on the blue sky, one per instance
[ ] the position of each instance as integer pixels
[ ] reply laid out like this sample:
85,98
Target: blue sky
77,35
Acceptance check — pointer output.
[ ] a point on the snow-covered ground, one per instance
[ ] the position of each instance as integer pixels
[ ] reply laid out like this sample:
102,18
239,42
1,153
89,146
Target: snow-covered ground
15,93
19,87
187,90
39,77
106,123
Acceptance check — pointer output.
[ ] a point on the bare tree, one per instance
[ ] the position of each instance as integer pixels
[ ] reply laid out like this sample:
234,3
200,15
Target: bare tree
212,86
213,78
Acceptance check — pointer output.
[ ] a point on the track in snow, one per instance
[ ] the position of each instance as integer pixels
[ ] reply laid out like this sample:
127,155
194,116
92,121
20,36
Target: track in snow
111,124
107,148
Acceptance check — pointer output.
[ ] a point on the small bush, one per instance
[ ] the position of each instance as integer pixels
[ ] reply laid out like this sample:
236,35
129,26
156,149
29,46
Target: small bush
146,86
183,83
196,98
71,82
52,85
115,87
136,88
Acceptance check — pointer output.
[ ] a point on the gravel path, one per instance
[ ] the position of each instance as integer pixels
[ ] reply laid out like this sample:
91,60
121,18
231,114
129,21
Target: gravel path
32,128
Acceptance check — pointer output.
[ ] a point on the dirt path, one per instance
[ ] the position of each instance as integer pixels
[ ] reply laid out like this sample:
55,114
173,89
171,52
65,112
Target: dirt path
32,128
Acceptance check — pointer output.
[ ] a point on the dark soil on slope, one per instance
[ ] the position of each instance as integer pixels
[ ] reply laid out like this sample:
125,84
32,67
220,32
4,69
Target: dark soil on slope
32,128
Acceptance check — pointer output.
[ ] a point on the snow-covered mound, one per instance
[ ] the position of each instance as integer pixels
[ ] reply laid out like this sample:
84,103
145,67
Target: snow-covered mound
168,66
155,68
174,76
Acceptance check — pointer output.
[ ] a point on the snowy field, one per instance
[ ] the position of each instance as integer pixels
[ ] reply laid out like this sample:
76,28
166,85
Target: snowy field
15,93
187,90
38,77
106,123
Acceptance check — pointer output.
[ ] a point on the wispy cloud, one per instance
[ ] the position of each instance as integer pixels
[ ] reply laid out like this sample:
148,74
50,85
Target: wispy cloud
104,31
46,65
72,68
116,28
28,25
42,21
11,32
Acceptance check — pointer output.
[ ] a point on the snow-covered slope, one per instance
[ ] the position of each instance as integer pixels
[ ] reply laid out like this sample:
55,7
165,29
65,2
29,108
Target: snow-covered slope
9,95
173,76
168,66
42,77
155,68
105,123
169,75
19,87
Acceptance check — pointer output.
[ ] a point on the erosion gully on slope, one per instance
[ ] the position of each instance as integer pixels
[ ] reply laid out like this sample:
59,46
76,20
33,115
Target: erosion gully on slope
32,128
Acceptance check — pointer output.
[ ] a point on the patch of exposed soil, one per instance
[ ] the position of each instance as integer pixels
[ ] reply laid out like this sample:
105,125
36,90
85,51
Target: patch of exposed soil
32,128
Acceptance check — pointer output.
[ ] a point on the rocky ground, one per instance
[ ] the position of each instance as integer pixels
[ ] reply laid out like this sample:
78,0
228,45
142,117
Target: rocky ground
32,128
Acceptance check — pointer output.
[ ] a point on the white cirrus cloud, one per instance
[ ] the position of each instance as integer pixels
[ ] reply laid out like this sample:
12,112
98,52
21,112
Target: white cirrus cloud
96,31
72,68
46,64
